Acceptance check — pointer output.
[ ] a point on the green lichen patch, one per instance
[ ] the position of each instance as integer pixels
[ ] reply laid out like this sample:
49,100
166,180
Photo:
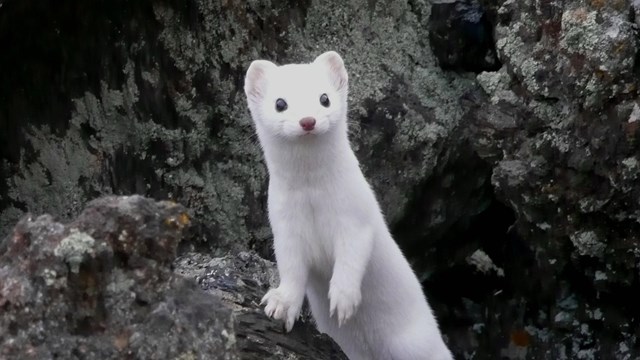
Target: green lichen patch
75,249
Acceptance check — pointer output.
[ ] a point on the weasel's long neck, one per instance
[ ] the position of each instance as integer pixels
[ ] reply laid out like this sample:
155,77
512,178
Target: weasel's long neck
311,159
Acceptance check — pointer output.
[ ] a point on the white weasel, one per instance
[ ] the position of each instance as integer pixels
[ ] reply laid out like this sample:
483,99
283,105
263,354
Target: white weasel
330,237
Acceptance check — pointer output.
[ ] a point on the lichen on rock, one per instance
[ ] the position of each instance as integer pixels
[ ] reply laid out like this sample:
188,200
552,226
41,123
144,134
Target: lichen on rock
105,286
73,248
101,298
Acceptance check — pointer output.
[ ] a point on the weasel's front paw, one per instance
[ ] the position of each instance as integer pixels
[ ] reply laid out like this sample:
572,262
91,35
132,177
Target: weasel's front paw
282,305
343,301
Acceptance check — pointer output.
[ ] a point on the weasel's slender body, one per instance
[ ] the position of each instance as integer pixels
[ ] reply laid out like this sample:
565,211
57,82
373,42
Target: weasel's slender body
331,241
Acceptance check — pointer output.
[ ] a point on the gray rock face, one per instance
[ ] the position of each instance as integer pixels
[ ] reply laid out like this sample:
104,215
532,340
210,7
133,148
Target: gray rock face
558,123
103,287
576,51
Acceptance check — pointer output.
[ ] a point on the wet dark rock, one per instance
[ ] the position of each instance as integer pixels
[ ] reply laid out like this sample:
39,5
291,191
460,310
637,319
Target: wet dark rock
103,287
461,36
241,281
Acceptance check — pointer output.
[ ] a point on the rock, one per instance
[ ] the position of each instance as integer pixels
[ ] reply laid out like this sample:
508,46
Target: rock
461,36
581,52
557,123
103,287
241,281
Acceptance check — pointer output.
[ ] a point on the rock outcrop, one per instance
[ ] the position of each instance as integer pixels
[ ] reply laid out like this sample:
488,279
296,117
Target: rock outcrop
558,124
103,287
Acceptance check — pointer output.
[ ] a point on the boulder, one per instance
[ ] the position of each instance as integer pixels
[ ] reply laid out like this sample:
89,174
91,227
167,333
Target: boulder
103,286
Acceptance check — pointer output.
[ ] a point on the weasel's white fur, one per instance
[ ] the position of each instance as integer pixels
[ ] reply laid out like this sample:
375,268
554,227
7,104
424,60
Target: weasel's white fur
331,240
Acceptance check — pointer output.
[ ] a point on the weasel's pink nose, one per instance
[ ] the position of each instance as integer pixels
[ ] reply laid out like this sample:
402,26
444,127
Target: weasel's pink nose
308,123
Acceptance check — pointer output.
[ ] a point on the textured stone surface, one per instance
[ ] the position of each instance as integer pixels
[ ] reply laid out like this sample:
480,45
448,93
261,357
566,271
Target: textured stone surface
461,35
103,287
583,52
241,281
558,123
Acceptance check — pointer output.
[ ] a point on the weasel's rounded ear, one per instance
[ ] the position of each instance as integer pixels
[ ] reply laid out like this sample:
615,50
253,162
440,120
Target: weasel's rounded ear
333,62
256,78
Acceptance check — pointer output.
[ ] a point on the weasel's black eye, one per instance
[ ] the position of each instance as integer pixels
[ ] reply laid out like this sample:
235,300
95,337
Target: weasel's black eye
281,105
324,100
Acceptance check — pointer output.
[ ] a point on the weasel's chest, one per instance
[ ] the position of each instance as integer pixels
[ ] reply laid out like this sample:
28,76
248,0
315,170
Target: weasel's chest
323,222
318,217
316,220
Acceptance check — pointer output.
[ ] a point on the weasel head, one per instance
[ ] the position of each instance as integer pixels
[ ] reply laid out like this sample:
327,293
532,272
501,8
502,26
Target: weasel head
296,102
